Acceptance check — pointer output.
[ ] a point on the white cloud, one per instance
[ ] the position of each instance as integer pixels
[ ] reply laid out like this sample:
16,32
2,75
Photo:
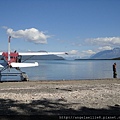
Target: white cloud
111,41
88,52
32,35
105,48
106,43
83,54
73,52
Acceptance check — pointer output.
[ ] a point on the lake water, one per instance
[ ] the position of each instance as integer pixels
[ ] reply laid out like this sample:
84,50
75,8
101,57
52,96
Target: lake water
71,70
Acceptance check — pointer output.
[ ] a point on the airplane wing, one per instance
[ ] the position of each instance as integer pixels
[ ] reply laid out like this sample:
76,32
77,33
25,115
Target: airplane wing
42,53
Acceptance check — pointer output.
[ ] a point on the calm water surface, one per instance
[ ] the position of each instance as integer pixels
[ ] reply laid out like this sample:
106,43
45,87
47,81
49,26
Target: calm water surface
68,70
71,70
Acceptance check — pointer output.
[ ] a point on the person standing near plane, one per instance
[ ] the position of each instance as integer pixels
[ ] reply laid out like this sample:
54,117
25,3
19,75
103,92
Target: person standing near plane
114,71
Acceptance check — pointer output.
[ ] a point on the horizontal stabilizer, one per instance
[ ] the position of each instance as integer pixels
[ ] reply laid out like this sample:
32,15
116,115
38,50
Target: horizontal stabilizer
24,64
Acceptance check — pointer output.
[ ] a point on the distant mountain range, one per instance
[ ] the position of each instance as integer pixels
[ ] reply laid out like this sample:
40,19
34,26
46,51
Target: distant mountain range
107,54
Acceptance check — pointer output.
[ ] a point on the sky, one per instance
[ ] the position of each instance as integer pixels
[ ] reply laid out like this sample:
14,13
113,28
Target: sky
79,27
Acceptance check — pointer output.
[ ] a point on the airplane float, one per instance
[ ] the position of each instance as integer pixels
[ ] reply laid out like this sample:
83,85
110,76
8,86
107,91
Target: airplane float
13,60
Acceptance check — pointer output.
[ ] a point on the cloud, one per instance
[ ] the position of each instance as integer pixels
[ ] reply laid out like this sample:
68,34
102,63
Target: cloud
106,41
105,48
32,35
88,52
73,52
77,54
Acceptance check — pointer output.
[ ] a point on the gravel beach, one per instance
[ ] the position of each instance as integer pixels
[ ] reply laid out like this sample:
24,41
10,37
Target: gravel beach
65,97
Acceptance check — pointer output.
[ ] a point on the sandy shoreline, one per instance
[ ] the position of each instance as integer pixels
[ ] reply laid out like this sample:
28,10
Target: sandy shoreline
65,97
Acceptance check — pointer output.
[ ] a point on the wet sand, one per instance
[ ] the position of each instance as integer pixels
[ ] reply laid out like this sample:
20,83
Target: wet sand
65,97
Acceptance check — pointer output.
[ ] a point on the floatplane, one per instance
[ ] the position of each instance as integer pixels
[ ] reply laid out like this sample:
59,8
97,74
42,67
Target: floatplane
13,60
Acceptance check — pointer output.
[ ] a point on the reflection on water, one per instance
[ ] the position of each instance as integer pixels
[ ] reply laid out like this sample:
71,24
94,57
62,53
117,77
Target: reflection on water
68,70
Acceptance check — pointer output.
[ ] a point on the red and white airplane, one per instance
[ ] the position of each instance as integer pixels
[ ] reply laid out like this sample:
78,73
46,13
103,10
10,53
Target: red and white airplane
13,59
